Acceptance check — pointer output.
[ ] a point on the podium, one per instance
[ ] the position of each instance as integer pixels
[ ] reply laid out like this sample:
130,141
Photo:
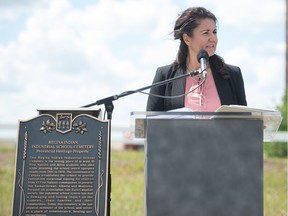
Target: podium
202,164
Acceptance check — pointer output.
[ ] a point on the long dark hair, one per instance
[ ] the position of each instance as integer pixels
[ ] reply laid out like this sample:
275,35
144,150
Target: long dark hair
187,21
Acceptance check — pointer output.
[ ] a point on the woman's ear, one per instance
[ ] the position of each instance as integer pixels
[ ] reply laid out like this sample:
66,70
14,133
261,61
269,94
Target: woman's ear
186,38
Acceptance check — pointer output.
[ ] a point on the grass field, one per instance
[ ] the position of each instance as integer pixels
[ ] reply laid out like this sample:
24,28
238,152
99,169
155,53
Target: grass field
128,183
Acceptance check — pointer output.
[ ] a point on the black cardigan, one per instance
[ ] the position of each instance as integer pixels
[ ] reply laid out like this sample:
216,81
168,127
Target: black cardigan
230,91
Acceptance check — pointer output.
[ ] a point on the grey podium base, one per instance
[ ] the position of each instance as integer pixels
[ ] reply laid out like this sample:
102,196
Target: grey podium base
204,167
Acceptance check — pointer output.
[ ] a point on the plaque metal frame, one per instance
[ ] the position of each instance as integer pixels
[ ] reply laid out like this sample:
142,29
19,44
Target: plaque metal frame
62,165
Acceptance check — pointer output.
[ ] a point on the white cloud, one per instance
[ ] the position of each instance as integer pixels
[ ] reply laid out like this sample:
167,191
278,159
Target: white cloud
248,14
263,71
11,10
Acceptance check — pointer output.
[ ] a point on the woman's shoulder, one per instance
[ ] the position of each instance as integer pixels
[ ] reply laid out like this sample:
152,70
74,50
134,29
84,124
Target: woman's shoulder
233,68
167,67
235,72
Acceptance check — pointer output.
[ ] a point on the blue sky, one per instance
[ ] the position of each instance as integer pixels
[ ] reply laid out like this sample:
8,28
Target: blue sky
69,53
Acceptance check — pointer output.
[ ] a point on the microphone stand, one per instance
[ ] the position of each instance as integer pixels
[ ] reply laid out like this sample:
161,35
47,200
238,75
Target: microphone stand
109,107
108,100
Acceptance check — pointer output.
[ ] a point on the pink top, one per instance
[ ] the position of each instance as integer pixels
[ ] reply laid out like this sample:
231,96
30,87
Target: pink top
203,99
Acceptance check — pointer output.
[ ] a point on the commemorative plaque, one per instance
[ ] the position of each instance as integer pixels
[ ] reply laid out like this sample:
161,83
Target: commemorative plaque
62,165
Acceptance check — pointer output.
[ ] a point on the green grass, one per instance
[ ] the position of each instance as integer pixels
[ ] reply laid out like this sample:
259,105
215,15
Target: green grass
275,187
7,155
127,183
127,170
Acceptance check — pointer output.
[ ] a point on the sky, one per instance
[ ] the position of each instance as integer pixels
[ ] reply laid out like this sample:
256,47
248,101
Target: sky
70,53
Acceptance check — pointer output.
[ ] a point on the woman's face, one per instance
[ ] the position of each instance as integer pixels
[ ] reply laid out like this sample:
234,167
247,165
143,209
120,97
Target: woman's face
204,37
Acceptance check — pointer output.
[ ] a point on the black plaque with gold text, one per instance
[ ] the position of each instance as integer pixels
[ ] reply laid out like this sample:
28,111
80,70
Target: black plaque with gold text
62,166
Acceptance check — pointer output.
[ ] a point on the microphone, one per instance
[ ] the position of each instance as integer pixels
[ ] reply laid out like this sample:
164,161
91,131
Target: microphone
202,58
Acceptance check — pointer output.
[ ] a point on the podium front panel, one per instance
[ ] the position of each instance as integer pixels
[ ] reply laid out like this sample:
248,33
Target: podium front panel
204,167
